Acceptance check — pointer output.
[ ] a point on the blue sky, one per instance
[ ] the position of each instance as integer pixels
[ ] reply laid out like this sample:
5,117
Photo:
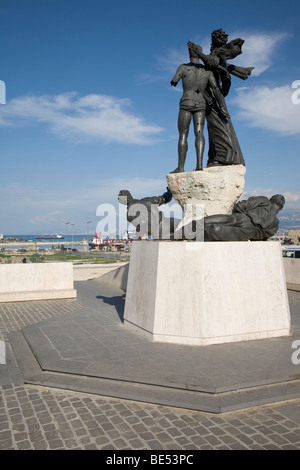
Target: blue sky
90,109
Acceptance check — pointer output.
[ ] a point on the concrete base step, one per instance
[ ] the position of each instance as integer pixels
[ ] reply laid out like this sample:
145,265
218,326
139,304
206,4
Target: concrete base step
235,398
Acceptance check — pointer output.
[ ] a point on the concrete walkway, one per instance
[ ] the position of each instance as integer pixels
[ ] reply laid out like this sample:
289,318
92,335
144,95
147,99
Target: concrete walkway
75,378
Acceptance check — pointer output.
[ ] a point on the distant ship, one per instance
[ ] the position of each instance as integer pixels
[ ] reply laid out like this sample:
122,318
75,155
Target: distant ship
50,237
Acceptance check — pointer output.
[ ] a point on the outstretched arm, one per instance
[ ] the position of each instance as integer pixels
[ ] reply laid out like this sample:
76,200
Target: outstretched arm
212,61
197,49
167,196
177,77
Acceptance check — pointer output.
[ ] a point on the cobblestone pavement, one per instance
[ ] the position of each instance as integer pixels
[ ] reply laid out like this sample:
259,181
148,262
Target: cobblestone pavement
38,418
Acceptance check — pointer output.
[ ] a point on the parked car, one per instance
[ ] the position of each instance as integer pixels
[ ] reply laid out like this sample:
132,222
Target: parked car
292,251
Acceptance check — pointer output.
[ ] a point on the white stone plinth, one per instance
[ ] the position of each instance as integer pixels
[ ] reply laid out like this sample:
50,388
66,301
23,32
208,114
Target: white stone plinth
36,281
217,188
203,293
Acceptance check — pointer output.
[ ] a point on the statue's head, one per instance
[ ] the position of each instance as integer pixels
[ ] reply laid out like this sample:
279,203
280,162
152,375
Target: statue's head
124,197
218,38
279,200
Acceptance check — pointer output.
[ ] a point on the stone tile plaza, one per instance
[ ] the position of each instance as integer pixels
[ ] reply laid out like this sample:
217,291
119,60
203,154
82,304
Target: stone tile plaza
65,403
149,228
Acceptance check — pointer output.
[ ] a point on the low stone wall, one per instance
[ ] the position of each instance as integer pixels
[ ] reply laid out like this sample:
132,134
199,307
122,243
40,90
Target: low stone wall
292,273
37,281
116,278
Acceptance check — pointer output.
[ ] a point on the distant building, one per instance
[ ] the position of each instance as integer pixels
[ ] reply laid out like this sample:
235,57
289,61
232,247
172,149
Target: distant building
1,236
295,236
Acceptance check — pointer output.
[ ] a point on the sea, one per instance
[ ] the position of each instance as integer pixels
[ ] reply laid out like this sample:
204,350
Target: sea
57,242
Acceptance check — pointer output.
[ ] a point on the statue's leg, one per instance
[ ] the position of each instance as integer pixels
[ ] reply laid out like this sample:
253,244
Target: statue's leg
222,219
184,120
199,119
215,232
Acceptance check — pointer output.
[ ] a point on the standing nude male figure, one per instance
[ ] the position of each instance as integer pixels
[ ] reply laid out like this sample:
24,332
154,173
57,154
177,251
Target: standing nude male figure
195,78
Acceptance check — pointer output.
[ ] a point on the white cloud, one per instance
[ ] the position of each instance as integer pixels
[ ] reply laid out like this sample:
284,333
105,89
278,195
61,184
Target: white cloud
269,108
49,219
102,191
90,117
292,198
40,209
259,50
170,60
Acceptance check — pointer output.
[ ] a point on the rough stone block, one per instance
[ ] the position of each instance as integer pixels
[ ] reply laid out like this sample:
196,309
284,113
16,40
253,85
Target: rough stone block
216,188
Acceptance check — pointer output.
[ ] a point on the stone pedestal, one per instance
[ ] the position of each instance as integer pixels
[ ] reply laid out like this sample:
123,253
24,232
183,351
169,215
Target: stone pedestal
216,188
202,293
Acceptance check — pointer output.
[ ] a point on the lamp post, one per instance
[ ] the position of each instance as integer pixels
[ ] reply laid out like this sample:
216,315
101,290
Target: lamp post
72,225
87,229
67,223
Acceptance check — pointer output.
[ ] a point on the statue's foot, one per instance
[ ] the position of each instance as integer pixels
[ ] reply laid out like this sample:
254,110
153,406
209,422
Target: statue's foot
178,170
199,169
216,164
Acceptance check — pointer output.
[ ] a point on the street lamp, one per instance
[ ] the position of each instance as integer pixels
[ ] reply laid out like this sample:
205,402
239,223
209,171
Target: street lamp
67,223
72,225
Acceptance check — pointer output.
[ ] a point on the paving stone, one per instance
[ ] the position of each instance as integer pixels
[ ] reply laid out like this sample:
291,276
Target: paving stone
259,438
290,447
237,446
244,439
56,444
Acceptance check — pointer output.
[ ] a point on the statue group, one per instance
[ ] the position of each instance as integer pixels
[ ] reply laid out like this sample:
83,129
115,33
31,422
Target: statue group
251,219
205,86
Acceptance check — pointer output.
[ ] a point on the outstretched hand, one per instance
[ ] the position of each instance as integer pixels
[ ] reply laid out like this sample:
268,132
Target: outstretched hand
173,83
167,195
194,47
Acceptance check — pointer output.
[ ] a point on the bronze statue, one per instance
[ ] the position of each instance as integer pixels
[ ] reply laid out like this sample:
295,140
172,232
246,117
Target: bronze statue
146,217
195,78
224,148
252,219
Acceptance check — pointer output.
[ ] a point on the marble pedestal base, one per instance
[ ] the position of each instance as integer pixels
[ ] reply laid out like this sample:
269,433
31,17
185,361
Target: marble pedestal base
202,293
